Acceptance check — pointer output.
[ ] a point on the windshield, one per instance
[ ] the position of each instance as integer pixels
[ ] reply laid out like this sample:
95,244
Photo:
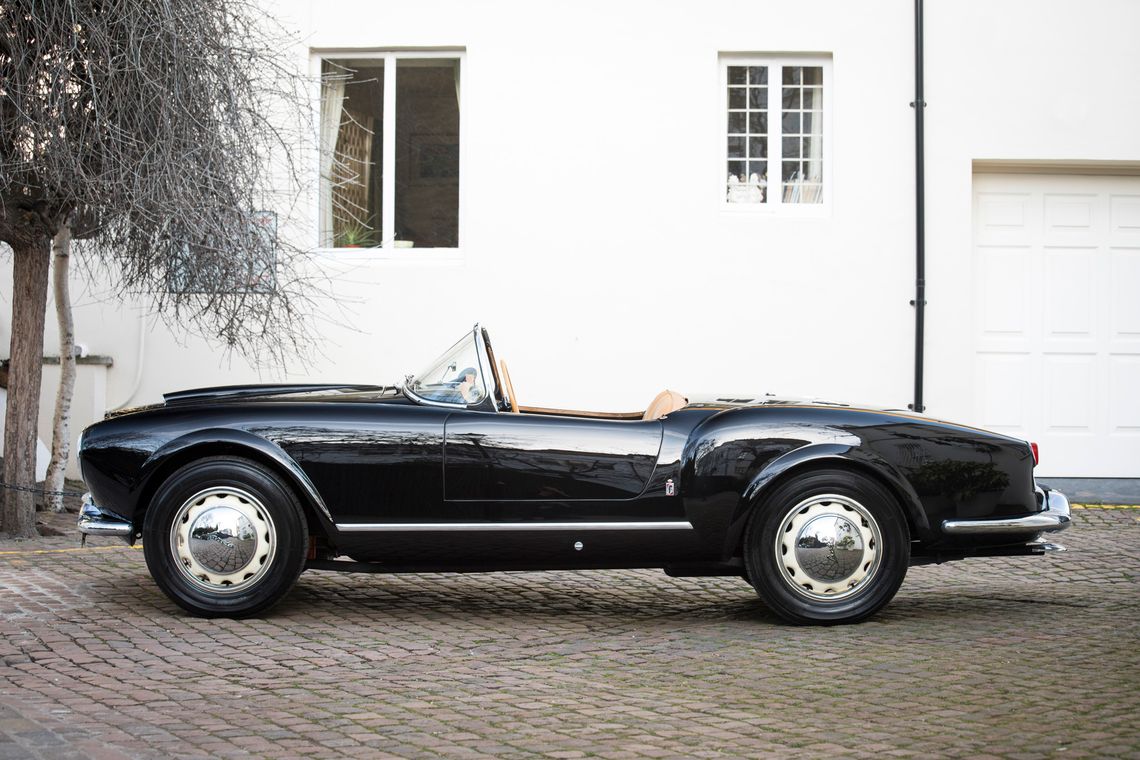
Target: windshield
454,378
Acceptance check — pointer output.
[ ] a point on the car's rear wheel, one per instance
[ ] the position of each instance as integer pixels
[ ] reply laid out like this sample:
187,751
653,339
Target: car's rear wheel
829,546
225,536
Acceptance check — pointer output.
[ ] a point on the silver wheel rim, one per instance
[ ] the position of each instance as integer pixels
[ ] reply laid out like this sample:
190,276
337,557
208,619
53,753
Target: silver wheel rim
223,540
828,548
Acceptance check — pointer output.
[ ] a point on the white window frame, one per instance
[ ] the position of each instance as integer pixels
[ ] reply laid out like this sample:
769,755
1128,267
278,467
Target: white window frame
774,202
387,250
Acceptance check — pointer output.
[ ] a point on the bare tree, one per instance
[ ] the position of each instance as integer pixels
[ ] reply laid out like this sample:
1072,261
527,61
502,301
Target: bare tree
162,135
61,422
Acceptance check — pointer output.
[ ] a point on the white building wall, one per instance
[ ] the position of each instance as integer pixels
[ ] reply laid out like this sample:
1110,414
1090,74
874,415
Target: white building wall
594,241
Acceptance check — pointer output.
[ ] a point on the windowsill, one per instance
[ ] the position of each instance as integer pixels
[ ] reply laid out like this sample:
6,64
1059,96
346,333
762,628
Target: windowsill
408,256
778,210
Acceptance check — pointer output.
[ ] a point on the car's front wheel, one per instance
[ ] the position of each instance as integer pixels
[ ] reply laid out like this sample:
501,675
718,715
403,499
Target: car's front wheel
225,537
829,546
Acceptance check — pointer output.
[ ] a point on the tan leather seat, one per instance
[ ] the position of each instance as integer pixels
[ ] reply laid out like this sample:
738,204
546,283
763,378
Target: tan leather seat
665,402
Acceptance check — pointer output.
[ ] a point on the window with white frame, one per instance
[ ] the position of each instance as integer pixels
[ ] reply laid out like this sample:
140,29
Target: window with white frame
775,127
389,173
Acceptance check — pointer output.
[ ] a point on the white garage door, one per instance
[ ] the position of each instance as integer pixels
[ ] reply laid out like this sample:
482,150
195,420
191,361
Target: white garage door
1057,318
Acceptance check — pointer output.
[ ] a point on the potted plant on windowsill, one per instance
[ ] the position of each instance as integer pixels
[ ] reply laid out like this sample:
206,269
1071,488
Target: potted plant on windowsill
357,236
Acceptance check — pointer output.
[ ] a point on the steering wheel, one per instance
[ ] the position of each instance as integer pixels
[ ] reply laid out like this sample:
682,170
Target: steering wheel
510,389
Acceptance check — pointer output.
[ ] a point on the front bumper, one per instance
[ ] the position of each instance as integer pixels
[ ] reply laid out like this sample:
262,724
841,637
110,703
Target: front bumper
93,521
1054,515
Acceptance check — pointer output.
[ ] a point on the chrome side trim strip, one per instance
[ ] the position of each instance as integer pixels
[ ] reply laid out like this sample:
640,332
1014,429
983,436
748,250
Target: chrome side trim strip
510,526
1056,516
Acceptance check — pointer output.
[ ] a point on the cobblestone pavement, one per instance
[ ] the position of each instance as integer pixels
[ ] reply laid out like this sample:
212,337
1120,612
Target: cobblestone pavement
1016,658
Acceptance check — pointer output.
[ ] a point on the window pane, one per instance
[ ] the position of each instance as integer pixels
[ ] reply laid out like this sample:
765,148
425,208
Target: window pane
746,187
352,105
427,152
747,180
810,193
803,106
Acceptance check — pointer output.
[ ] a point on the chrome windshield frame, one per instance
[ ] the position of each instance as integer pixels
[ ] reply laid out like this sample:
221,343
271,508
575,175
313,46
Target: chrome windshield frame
481,355
486,371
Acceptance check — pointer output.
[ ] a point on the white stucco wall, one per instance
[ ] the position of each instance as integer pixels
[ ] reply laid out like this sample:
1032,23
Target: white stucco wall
594,243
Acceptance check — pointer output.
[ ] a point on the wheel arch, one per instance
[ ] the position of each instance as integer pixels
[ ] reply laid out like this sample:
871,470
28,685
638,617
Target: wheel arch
824,457
180,452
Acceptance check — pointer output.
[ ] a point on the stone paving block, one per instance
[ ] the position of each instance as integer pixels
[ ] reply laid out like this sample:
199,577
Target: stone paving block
984,658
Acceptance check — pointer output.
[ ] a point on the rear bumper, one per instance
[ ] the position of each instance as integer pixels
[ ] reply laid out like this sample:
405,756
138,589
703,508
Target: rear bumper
1055,515
93,521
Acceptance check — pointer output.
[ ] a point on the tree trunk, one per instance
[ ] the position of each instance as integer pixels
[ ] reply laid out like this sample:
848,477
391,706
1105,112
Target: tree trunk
61,428
30,259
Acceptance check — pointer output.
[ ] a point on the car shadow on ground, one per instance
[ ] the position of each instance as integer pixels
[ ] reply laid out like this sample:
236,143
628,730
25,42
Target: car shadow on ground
592,598
523,597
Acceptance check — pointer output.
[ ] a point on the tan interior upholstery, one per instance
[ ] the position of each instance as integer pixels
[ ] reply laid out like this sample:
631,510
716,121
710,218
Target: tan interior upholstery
510,388
665,402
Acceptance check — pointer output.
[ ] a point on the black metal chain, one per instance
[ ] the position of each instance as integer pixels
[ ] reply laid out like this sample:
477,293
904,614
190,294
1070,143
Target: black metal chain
44,491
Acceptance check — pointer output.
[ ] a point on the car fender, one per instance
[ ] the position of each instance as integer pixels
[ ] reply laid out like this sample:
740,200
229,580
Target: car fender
814,455
212,441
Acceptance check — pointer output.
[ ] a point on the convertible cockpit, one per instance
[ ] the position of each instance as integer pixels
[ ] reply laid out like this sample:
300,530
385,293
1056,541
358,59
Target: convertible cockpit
466,376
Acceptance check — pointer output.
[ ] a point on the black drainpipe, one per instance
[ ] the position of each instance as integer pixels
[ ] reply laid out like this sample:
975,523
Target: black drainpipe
919,302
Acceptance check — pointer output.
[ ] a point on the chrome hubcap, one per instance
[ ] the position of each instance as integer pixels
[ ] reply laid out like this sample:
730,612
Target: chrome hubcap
828,547
223,540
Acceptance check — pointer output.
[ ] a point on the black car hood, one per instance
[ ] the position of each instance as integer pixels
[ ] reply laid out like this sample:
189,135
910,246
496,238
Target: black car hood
235,392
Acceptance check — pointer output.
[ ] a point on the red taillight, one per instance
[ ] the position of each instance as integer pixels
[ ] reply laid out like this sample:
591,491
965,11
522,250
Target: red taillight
1036,456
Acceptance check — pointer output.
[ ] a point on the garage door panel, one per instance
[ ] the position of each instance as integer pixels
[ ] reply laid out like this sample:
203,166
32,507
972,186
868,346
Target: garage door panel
1004,292
1070,289
1124,215
1070,217
1004,218
1070,393
1124,395
1124,306
1003,383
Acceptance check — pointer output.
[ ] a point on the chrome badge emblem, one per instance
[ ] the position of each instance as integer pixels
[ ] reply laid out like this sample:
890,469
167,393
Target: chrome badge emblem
670,489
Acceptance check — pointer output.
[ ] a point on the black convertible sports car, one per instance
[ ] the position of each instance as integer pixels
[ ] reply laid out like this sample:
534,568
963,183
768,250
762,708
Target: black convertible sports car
821,507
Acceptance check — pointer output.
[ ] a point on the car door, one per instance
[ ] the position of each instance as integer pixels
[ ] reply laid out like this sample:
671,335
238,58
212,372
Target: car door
530,467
